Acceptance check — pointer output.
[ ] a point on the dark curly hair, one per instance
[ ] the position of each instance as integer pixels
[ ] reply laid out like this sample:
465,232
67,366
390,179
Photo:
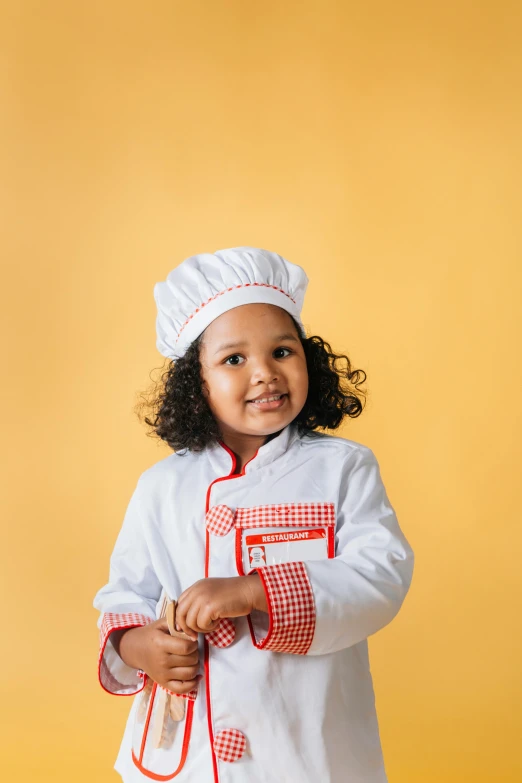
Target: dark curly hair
181,416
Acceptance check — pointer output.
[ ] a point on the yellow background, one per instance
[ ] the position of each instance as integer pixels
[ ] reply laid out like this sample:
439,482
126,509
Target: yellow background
377,145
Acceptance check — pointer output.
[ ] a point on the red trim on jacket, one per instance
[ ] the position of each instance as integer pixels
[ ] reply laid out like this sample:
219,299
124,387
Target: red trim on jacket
184,750
231,475
112,621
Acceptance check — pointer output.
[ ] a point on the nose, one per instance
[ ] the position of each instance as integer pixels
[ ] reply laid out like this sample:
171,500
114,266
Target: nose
265,370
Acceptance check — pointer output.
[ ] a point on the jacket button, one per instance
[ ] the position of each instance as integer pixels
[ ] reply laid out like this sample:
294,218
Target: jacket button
229,745
224,634
219,520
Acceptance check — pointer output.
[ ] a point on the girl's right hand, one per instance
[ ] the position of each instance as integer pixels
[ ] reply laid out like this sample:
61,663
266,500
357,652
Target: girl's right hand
170,661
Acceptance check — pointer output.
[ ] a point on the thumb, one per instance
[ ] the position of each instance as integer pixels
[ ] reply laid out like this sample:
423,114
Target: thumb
162,625
212,625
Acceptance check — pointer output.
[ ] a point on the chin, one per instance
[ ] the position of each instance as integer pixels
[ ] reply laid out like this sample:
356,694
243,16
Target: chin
270,427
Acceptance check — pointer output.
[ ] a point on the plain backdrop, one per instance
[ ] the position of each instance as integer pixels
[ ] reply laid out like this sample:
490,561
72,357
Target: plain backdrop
378,146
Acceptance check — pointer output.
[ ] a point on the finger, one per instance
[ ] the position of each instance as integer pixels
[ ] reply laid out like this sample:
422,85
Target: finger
183,673
186,593
177,646
182,660
206,623
202,619
192,618
179,687
161,625
181,621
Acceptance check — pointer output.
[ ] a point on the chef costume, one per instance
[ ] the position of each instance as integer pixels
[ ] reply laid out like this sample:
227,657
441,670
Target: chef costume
286,696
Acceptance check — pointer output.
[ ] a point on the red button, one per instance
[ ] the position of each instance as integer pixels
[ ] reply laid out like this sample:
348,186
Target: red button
229,745
219,520
224,634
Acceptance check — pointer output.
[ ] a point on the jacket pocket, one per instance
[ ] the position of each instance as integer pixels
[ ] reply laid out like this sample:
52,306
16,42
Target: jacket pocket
283,533
160,743
276,541
160,739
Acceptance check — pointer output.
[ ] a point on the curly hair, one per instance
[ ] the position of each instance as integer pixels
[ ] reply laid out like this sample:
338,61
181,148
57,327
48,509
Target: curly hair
181,416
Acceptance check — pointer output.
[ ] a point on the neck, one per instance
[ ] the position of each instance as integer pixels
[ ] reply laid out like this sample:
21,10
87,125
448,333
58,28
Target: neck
244,447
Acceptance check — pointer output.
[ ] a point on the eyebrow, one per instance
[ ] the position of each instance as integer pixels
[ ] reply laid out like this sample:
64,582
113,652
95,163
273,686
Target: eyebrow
240,343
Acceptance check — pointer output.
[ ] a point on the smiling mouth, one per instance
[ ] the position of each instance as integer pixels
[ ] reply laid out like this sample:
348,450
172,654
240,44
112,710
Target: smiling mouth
269,401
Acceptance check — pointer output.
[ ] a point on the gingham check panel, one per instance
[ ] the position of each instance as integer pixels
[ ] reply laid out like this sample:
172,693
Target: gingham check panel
282,514
219,520
229,745
111,622
224,634
292,609
190,695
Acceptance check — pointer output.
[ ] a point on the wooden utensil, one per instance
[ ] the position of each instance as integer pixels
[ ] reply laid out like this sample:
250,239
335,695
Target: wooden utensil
167,704
158,729
177,703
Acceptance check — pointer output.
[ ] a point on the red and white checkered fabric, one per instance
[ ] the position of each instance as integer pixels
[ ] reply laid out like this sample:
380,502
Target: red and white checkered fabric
112,622
219,520
224,634
190,695
282,514
291,608
229,745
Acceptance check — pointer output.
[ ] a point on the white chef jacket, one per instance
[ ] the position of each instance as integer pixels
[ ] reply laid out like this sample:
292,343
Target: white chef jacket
286,697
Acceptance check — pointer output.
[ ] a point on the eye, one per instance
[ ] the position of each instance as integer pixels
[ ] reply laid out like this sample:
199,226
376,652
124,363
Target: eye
235,356
282,349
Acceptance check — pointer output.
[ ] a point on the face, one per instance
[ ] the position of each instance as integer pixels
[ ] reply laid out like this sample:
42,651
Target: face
254,370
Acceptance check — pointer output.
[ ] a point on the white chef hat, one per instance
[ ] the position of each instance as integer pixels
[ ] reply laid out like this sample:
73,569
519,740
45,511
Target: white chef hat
206,285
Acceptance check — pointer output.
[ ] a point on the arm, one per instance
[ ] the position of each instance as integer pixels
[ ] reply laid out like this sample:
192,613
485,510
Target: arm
203,606
318,607
128,600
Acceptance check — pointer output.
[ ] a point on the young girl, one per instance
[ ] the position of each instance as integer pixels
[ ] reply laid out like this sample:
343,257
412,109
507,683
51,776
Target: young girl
278,542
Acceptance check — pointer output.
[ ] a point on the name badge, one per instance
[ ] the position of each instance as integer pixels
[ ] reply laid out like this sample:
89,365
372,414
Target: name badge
284,533
286,546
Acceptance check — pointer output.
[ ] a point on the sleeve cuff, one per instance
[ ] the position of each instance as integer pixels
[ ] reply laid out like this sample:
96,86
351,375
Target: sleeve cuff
113,673
291,609
191,695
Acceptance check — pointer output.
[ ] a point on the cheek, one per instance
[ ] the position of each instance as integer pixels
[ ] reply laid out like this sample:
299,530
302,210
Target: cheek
304,387
224,388
301,381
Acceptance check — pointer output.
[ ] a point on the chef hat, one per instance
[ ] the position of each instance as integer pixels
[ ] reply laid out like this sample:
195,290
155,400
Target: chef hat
206,285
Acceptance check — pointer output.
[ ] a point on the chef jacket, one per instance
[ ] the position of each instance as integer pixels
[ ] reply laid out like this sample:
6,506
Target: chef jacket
286,696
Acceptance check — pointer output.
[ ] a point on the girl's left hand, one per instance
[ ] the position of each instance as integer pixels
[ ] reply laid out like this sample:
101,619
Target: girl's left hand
206,602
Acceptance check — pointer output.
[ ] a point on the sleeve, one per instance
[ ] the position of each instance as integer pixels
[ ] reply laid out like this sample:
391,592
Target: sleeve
130,597
321,606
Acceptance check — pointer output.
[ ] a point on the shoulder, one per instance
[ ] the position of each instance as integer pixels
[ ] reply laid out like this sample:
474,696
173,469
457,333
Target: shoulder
353,464
156,477
336,447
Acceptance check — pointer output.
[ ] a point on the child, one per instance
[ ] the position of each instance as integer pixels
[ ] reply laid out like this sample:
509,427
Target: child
278,542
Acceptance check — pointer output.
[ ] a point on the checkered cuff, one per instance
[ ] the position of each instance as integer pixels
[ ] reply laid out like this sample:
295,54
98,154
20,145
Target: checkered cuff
190,695
291,608
114,674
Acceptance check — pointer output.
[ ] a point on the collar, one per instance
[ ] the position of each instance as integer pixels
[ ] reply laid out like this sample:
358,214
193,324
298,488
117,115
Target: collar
222,460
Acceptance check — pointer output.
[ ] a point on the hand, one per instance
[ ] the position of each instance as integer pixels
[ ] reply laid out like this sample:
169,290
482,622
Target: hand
170,661
202,606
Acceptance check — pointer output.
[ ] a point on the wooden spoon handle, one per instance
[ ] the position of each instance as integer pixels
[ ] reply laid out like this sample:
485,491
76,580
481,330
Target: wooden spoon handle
177,703
171,621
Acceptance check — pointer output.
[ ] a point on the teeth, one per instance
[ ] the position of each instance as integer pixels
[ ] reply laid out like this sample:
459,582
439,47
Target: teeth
268,399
